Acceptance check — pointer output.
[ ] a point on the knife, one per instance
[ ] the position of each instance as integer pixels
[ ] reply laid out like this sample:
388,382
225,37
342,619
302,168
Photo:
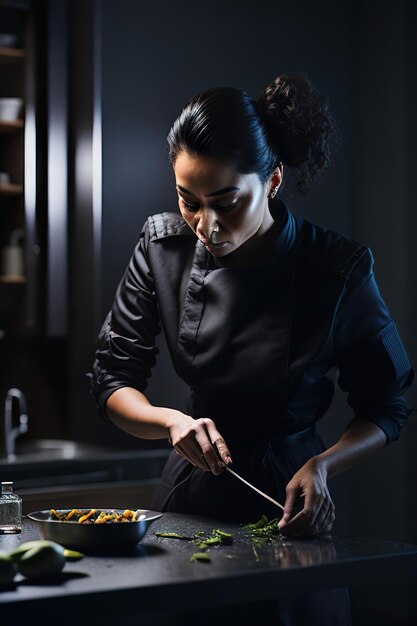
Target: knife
254,488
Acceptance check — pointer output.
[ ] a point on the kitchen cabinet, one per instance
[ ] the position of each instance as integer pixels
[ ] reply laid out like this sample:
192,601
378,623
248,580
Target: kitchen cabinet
20,239
33,346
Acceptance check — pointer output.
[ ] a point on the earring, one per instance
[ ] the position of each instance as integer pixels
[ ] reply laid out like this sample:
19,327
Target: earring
274,192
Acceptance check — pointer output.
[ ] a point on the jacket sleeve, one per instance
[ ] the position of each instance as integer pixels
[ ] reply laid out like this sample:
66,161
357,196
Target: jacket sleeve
374,368
126,350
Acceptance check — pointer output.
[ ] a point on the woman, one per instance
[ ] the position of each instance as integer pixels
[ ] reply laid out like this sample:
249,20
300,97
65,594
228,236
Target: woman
257,306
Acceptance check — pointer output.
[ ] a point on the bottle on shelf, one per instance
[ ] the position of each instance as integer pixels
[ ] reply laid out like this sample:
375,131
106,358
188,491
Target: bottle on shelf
13,256
10,510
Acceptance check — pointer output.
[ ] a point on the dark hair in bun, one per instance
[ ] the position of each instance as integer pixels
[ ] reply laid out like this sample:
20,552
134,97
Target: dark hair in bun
290,123
299,123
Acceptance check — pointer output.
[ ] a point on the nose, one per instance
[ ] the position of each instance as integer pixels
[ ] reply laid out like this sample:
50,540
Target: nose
207,221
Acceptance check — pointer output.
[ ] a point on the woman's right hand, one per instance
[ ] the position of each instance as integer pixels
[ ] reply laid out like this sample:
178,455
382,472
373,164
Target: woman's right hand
199,441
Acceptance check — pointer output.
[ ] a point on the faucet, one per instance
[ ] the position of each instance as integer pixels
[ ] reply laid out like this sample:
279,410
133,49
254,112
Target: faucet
9,432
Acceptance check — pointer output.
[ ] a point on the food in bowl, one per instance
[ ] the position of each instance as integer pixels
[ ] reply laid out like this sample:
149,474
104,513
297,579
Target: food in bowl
94,516
109,535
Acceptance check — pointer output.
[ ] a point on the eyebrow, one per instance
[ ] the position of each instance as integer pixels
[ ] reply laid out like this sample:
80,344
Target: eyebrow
215,193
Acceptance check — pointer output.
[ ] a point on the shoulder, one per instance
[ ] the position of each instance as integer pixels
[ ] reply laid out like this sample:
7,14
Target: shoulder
332,252
167,224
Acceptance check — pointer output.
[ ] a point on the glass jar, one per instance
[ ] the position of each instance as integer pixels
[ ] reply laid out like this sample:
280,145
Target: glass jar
10,509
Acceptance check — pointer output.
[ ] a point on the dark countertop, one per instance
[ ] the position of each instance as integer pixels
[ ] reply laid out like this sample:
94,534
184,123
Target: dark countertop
158,572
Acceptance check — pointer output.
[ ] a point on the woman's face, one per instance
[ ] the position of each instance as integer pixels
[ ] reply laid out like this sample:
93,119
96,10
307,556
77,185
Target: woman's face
224,208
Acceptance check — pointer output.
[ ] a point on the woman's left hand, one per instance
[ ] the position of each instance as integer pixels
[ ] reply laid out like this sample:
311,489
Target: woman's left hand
318,513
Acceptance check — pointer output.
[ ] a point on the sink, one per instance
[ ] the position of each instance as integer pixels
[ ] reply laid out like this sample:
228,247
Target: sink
44,462
58,449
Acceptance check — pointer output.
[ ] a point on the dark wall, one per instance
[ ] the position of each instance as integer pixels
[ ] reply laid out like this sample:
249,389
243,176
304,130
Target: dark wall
151,65
361,55
382,491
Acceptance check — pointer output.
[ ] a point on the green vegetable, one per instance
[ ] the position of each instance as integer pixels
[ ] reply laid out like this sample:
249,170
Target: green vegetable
18,552
263,527
37,559
206,543
8,569
255,551
200,556
262,531
203,541
172,536
215,538
226,538
41,562
73,555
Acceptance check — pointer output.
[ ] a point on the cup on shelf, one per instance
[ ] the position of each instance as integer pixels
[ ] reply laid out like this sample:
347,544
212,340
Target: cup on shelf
10,109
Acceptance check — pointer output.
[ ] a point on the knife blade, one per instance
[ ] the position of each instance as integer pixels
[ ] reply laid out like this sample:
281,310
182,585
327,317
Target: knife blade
254,488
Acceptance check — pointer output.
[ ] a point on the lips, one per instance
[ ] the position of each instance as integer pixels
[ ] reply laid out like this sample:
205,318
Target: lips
216,247
221,244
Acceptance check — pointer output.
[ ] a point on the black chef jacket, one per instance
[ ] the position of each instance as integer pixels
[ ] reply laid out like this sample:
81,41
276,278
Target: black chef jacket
256,344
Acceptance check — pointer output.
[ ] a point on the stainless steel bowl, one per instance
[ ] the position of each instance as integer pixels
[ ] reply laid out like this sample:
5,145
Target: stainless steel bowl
108,538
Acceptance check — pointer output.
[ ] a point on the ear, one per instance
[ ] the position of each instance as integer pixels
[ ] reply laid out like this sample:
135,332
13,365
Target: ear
276,178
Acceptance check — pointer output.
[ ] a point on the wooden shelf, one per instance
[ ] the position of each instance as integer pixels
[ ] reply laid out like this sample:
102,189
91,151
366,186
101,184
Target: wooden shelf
11,53
9,189
7,126
12,280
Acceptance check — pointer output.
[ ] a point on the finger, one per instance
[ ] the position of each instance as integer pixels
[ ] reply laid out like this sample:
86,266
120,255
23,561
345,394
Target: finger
207,450
218,442
191,450
318,505
191,455
328,522
301,523
296,525
322,515
290,499
315,509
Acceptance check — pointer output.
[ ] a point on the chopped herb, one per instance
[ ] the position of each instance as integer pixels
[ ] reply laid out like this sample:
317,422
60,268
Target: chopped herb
261,532
199,556
263,528
172,536
211,541
255,551
215,538
203,540
259,524
225,537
